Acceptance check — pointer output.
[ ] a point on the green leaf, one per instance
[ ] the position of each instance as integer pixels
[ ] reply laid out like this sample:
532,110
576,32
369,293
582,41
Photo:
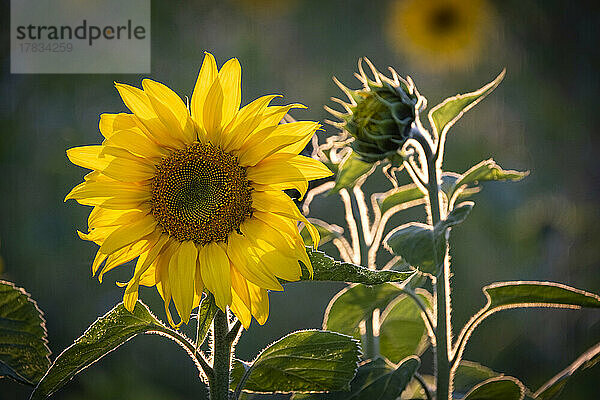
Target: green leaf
327,269
105,335
23,344
499,388
537,294
354,304
553,388
486,170
411,193
375,380
403,332
304,361
206,314
401,195
457,215
350,170
526,294
414,243
238,369
445,114
468,374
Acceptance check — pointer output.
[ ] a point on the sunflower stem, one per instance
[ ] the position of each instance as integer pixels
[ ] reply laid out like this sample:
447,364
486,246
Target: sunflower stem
443,329
219,385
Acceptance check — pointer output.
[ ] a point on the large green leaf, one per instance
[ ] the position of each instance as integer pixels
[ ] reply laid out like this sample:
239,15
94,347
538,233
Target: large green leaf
375,380
468,375
356,303
105,335
350,170
486,170
553,388
499,388
327,269
23,344
403,332
206,313
526,294
445,114
414,241
304,361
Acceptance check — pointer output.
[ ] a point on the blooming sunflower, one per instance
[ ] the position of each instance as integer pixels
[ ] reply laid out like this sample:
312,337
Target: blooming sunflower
438,33
197,194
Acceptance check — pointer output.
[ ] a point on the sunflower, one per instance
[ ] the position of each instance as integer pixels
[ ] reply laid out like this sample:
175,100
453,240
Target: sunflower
438,33
196,194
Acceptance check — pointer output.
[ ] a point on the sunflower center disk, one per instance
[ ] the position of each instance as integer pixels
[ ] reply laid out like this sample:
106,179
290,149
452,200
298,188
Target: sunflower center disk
200,193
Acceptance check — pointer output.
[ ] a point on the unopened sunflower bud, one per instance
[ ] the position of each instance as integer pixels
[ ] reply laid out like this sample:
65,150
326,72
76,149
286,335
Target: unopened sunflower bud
380,115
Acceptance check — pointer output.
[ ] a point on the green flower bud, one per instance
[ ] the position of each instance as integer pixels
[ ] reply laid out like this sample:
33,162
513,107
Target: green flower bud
380,116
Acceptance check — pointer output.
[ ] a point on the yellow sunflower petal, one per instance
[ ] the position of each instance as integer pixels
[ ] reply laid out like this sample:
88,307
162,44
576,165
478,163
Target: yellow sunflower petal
242,255
162,277
260,303
240,310
111,123
137,101
279,203
212,116
128,170
245,122
280,168
271,140
214,265
127,234
95,193
134,141
239,285
170,109
301,186
230,77
182,270
89,157
289,229
207,75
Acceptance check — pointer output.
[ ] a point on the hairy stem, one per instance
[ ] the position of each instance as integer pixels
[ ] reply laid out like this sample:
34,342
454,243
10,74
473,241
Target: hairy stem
219,385
443,329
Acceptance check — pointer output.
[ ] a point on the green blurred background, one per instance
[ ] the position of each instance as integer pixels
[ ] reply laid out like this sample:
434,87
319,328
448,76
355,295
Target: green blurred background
543,117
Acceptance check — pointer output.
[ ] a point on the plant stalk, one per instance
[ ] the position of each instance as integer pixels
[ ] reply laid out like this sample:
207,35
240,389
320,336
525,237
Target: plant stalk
219,385
443,331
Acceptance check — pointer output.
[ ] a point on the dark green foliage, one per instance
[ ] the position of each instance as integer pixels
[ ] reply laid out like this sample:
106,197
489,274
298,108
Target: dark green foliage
23,350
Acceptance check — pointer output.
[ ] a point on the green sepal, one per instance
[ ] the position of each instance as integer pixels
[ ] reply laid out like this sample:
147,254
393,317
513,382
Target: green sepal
206,313
303,361
24,353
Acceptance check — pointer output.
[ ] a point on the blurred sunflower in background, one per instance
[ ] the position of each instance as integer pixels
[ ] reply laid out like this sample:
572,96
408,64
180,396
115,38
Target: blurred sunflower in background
197,194
439,34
